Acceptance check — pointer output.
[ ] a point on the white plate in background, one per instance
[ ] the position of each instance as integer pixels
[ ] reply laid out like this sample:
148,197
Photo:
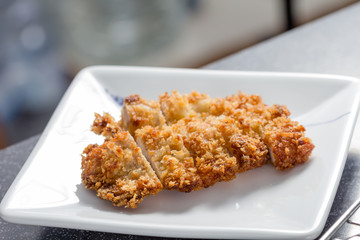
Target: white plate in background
262,203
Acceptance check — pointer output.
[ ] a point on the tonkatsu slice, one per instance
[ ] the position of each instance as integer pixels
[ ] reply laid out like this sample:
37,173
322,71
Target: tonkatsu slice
287,143
168,156
208,149
138,112
118,171
249,151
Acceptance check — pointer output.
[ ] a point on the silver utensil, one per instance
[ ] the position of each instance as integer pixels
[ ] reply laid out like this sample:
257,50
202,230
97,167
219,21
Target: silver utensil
340,222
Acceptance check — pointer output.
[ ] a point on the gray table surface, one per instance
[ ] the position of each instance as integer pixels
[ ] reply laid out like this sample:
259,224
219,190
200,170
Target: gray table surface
329,45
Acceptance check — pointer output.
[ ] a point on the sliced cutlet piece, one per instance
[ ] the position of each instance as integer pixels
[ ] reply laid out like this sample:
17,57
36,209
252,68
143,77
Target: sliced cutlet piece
284,138
105,125
171,161
118,171
175,106
138,112
208,148
242,101
226,106
287,143
250,152
253,119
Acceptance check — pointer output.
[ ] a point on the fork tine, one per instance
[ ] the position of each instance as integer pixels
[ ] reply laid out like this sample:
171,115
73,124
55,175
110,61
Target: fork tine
342,219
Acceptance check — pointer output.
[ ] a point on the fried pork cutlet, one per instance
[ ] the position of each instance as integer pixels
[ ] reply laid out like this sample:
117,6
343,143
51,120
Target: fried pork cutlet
105,125
204,142
117,170
163,146
188,142
199,102
287,143
208,148
284,138
250,152
256,122
169,158
138,112
174,106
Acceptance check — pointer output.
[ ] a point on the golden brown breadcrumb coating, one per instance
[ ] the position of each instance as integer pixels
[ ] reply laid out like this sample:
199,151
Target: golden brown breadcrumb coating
250,152
227,105
105,125
280,134
118,171
208,148
138,112
174,106
264,124
249,112
287,143
169,158
199,102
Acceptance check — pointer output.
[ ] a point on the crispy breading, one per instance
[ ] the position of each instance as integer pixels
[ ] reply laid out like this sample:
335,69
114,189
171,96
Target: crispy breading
168,156
242,100
251,113
208,148
199,102
250,152
227,105
105,125
175,106
287,143
118,171
225,124
138,112
265,123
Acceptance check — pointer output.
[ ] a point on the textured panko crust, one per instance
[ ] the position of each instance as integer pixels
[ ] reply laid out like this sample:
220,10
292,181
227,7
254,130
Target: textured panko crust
287,143
208,148
138,112
118,171
253,117
174,106
225,106
105,125
199,102
285,139
252,121
250,152
169,158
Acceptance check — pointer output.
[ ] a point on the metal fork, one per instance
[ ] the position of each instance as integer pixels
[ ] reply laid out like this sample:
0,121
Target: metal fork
348,238
340,222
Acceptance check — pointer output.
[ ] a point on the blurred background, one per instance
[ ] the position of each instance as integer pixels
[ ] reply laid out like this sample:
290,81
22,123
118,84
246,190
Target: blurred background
44,43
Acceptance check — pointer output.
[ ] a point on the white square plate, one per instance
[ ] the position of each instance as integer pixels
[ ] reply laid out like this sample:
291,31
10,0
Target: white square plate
262,203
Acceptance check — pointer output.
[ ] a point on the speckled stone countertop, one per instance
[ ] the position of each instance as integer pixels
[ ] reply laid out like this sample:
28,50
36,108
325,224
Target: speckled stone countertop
329,45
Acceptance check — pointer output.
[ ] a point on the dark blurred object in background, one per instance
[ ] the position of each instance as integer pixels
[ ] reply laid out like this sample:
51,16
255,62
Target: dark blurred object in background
31,71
